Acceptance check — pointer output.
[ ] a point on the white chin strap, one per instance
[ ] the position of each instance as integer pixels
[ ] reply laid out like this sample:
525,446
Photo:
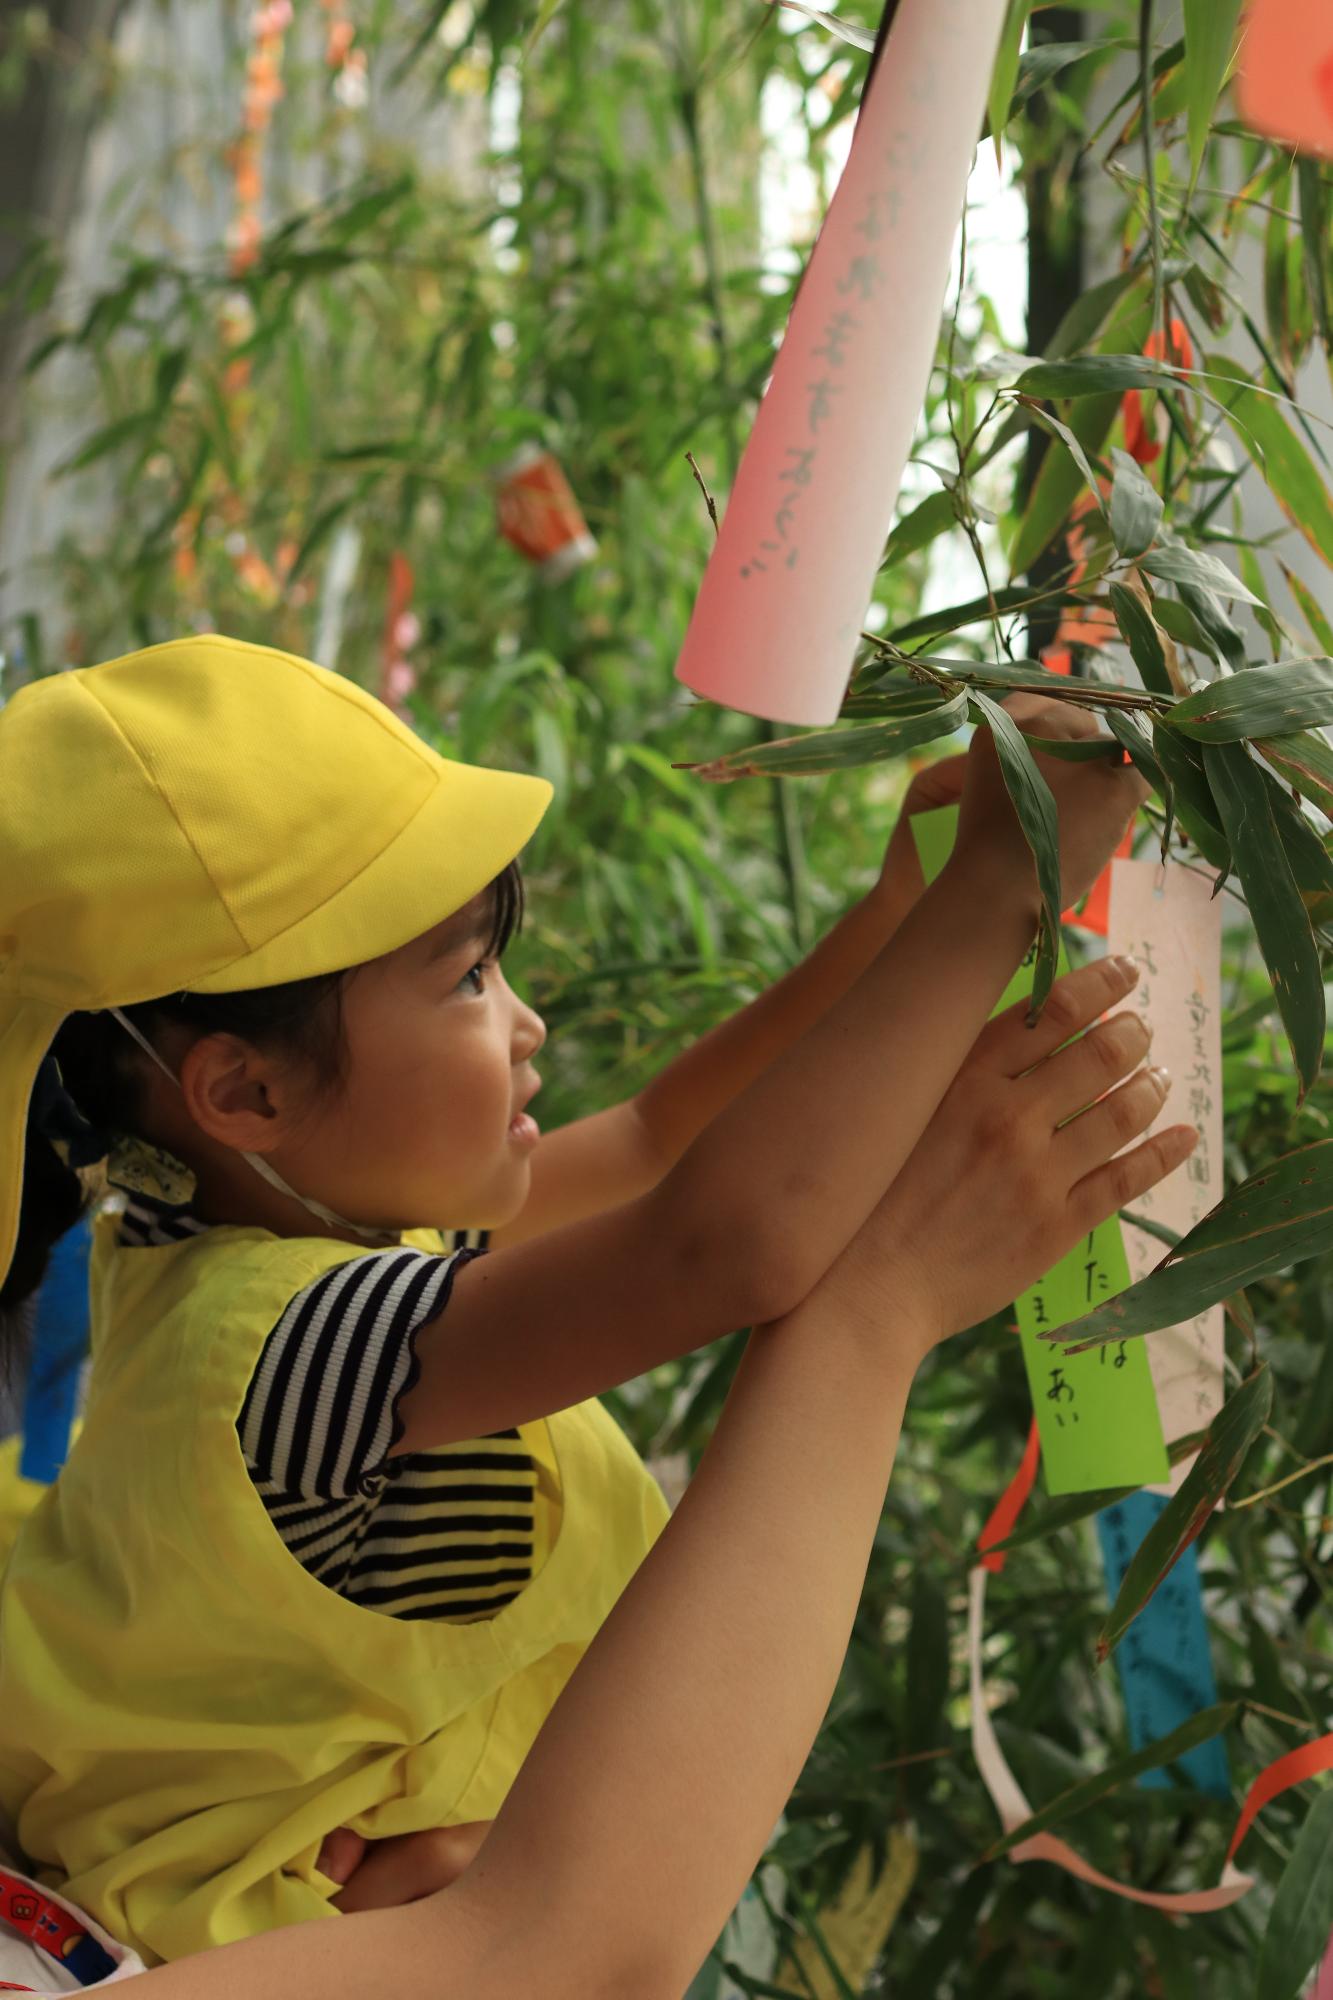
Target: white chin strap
261,1165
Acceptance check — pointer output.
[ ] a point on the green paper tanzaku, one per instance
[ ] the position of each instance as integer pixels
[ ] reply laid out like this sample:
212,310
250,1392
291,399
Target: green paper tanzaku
1096,1413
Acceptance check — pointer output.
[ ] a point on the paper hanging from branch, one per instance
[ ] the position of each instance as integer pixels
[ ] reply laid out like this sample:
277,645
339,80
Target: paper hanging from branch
1168,921
775,625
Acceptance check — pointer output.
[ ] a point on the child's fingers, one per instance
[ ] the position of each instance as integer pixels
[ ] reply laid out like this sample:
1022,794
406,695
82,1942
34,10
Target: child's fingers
341,1854
1075,1002
408,1866
1123,1180
1111,1123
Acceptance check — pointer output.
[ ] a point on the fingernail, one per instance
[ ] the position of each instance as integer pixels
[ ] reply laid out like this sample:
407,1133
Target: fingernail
1128,970
1162,1077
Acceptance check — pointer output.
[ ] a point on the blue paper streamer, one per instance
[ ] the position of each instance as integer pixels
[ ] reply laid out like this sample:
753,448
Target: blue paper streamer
59,1344
1166,1671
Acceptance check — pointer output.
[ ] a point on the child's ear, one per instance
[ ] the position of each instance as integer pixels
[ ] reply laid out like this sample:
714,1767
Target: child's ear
236,1094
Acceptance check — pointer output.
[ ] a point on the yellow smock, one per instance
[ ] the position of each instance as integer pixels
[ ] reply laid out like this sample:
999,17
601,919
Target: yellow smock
185,1712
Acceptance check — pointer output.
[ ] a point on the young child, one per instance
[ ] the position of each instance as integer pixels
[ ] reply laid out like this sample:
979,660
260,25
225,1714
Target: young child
342,1519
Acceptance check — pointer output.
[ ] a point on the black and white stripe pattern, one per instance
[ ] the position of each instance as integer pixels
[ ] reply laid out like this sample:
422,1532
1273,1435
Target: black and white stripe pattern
444,1534
143,1221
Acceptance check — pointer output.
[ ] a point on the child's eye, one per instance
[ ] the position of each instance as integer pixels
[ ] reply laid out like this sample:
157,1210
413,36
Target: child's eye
477,974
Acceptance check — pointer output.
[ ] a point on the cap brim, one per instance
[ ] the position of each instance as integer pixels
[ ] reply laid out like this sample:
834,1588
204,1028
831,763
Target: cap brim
27,1030
468,829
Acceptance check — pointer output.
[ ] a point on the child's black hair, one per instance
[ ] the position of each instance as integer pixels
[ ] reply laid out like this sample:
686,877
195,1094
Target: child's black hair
103,1074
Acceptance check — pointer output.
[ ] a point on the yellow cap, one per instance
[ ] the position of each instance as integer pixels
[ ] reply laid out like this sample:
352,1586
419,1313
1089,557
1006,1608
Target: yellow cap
208,815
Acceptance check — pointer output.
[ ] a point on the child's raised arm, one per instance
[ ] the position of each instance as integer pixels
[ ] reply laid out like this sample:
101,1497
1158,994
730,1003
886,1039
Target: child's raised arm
766,1197
601,1877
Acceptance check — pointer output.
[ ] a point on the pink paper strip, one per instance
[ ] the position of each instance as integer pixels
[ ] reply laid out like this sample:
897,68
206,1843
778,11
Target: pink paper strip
785,592
1167,920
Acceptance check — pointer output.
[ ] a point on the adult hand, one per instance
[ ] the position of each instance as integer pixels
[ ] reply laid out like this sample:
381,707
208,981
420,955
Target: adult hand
1021,1160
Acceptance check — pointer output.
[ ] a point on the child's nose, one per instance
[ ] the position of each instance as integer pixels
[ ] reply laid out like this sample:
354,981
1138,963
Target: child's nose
530,1033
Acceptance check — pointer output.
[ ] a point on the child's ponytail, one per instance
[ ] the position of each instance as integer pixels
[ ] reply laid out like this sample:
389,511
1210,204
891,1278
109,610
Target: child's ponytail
53,1200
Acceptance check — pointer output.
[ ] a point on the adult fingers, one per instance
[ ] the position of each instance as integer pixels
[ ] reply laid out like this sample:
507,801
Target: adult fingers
1086,1068
1124,1179
1009,1046
1086,1141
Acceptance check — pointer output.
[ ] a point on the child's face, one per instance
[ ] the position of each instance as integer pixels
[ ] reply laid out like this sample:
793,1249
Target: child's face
426,1129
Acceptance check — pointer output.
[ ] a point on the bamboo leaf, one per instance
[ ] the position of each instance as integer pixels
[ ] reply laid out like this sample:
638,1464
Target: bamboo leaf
1313,193
1305,761
824,750
1096,374
1225,639
1182,763
1065,1512
846,31
1263,701
927,1693
110,438
1070,440
1200,1728
1029,676
933,517
975,611
1132,737
1280,918
1037,816
1301,1917
1056,484
1071,1508
1005,74
1311,609
1310,861
1272,1220
1140,632
546,13
1186,1514
1135,513
1291,473
1210,34
1180,624
1178,565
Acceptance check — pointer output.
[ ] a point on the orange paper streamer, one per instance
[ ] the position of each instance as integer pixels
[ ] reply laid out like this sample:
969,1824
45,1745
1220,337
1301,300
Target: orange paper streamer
1285,80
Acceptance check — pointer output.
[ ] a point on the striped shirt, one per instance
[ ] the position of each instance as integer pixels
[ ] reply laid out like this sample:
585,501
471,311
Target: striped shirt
444,1534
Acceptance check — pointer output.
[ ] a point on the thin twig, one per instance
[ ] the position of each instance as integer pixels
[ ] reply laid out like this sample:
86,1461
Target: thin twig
1266,1492
709,501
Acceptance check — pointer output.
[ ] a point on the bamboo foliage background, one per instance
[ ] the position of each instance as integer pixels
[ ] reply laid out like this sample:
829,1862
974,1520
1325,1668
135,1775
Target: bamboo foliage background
267,432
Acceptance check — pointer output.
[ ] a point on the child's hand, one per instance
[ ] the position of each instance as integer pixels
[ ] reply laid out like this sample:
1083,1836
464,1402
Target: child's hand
1095,801
1020,1161
384,1874
900,878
